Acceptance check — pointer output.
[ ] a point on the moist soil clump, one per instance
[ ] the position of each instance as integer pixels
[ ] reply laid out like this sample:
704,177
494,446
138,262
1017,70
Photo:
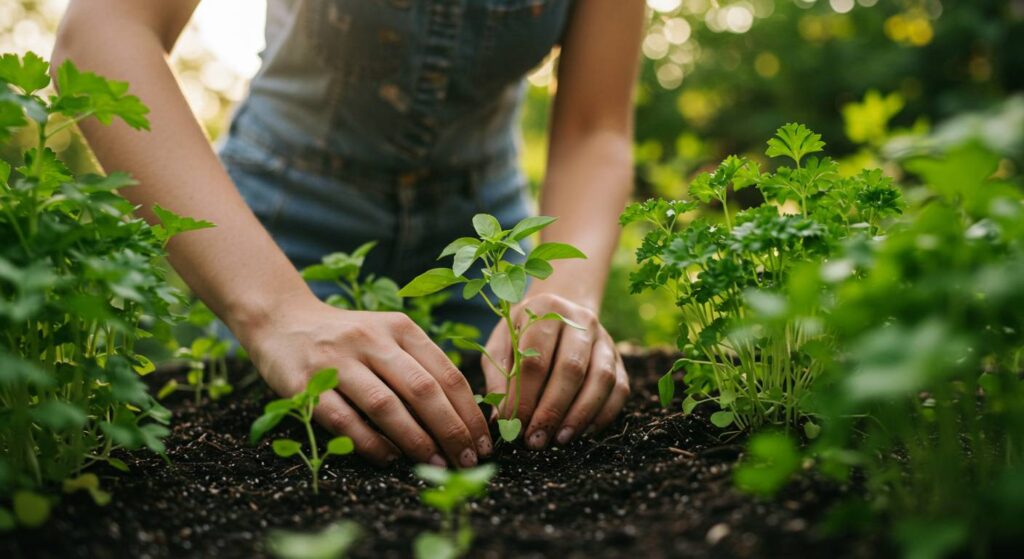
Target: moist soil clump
655,484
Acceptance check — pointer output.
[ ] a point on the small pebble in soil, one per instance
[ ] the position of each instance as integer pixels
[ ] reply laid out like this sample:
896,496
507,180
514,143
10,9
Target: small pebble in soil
717,533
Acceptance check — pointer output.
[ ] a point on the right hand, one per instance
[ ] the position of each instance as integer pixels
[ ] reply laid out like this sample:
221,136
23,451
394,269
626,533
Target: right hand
387,367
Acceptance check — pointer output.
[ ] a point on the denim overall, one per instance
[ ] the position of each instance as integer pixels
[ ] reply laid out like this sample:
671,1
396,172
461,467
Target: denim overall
389,120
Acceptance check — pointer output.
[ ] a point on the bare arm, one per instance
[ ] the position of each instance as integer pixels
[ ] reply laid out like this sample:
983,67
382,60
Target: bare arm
238,270
578,382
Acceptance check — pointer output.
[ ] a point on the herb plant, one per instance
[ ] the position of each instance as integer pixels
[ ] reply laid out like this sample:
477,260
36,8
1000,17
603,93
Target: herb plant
78,276
506,280
207,360
300,407
333,542
740,352
452,490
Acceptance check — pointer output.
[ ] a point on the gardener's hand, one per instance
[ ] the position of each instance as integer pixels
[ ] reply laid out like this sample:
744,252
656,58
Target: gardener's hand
387,368
577,384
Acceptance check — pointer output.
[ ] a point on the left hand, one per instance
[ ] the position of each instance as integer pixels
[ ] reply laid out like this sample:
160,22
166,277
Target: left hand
576,385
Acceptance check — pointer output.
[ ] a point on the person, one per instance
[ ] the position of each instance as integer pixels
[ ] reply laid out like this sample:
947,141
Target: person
396,121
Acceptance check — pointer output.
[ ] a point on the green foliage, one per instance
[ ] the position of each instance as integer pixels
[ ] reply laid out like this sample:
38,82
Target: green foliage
206,358
79,275
451,492
300,407
333,542
506,280
741,349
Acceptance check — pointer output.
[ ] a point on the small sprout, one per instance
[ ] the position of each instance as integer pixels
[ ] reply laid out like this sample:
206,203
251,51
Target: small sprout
333,542
343,269
208,370
300,407
507,283
452,490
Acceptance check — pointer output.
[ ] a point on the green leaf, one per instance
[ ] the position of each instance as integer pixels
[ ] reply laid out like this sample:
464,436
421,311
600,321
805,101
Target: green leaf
510,285
689,404
509,428
486,226
340,446
538,268
722,419
434,475
429,545
31,509
726,397
794,141
473,287
286,447
666,389
172,224
332,542
812,429
11,116
169,388
58,415
322,381
556,251
772,458
529,226
30,74
458,244
85,93
264,423
464,258
118,464
88,482
492,399
430,281
530,352
466,344
559,317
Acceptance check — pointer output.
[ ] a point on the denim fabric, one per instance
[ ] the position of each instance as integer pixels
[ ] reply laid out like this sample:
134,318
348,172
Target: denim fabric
389,120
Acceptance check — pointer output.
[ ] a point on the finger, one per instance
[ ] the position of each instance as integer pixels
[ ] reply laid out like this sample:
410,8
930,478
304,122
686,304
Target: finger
452,382
542,337
500,349
597,387
428,400
617,399
338,417
367,392
571,361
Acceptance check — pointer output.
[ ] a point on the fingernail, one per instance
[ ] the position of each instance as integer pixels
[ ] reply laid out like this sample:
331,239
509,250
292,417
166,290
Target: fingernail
538,439
565,435
467,458
483,446
436,460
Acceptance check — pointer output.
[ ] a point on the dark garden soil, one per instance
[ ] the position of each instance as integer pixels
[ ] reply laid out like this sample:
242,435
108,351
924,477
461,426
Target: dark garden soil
656,484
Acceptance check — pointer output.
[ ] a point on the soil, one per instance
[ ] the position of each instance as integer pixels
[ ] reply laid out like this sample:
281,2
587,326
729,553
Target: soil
656,484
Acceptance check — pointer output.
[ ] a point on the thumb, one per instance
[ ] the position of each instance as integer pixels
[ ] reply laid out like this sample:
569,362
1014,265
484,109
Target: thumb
500,350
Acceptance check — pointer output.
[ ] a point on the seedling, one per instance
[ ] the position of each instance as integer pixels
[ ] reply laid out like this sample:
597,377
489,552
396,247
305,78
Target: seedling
506,281
381,294
745,349
207,370
451,492
78,272
333,542
300,407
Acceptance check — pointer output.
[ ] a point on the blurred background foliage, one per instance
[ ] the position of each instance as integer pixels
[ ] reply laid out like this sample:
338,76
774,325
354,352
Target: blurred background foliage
880,79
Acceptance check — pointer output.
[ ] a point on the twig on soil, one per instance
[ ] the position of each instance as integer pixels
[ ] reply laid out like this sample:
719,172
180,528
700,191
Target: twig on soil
682,452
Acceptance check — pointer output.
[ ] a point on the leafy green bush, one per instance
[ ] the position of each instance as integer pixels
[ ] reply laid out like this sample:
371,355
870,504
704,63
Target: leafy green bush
300,407
930,322
507,283
78,277
740,352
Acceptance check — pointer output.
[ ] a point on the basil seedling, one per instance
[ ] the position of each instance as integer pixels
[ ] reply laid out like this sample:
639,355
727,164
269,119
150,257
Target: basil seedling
452,490
300,407
506,280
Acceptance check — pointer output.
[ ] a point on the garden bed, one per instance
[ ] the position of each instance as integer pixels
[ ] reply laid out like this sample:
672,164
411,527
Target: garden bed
656,484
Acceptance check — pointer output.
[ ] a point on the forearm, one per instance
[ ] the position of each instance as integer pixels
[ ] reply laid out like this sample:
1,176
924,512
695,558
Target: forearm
588,183
235,268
